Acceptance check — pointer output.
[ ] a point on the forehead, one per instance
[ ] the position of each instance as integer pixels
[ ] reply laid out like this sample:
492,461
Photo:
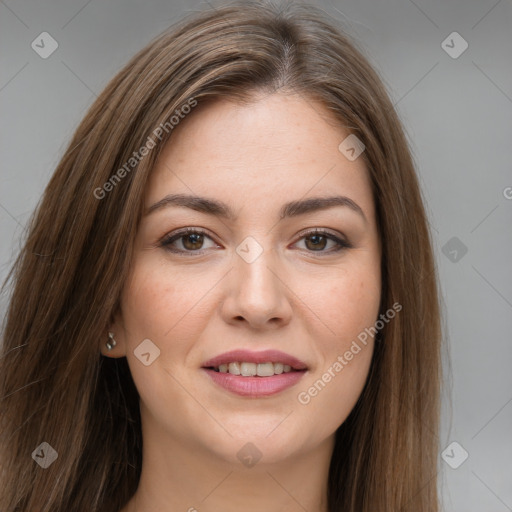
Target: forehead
279,147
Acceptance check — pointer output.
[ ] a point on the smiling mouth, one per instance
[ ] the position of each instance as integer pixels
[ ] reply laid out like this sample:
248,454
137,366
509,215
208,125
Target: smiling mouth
244,369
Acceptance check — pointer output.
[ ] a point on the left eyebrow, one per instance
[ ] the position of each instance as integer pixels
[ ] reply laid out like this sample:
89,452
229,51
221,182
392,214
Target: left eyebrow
220,209
313,204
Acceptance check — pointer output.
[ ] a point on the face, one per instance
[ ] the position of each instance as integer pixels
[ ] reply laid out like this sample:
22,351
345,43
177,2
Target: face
306,284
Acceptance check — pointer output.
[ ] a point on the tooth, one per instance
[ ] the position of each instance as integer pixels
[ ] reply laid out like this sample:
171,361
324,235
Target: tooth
248,369
252,369
278,368
265,369
234,368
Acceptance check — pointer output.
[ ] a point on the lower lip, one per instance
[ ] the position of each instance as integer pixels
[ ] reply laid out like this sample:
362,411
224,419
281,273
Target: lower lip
255,386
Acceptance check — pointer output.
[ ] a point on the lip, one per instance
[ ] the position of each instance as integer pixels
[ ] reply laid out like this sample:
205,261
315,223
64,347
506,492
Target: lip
264,356
255,386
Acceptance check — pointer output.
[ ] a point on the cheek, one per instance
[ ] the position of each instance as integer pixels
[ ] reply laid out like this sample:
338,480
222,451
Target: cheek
344,301
158,302
352,307
334,390
165,307
347,305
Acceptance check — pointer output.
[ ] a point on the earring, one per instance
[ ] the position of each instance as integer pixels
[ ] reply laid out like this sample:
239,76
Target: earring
111,343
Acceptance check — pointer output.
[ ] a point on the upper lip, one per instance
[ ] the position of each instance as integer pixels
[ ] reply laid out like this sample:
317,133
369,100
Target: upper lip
247,356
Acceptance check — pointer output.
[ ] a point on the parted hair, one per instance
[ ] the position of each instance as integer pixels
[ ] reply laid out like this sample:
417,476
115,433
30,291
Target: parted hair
64,287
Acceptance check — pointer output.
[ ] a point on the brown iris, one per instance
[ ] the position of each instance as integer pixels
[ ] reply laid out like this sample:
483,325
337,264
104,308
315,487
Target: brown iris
316,243
197,241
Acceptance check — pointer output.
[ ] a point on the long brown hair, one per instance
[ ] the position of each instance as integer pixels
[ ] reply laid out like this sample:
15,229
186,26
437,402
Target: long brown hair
55,386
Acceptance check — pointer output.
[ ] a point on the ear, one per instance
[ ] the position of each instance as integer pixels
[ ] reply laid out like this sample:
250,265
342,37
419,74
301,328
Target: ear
115,336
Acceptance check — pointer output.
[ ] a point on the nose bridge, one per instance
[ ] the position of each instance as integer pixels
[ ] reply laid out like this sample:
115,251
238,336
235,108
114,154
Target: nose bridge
252,266
257,293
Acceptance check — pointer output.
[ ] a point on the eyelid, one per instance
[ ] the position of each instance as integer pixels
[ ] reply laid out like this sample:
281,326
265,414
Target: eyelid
321,231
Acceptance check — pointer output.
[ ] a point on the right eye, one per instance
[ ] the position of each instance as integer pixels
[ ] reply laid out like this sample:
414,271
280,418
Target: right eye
190,239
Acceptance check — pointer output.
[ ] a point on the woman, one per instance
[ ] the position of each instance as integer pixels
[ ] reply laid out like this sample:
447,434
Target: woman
227,296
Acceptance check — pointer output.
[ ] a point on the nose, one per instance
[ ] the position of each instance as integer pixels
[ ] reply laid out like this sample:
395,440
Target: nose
256,294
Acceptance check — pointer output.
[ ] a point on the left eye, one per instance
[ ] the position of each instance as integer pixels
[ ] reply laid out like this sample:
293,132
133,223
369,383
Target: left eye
317,241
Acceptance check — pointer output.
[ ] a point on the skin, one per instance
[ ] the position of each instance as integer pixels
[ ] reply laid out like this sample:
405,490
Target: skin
297,297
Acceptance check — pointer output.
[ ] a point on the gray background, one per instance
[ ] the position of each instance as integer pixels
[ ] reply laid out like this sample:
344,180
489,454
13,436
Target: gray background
457,113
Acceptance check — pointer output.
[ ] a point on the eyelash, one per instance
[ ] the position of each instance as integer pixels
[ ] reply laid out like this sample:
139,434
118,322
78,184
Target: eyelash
169,239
